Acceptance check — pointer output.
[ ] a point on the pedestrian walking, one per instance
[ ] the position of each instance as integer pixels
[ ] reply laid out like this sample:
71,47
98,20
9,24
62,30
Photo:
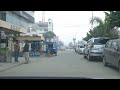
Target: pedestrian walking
17,50
26,52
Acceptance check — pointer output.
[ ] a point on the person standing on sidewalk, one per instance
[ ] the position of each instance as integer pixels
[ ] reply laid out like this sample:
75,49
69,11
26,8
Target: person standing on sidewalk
17,50
26,51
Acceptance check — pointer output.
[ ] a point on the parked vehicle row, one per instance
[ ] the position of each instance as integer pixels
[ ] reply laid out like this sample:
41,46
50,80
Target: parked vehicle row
104,48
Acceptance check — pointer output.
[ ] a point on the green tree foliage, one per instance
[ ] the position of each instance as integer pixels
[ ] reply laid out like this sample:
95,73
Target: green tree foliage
113,18
106,28
49,35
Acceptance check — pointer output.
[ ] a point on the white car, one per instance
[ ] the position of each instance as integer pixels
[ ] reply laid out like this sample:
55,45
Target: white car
81,48
62,48
77,48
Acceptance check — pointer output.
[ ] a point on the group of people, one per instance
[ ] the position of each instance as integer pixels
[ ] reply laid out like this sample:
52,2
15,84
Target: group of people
25,51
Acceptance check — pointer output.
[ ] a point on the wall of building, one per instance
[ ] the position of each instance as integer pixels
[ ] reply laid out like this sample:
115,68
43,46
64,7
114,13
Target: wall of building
50,25
30,13
18,18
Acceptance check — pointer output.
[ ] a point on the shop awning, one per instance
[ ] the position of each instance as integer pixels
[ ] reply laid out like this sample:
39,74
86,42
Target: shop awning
8,27
30,38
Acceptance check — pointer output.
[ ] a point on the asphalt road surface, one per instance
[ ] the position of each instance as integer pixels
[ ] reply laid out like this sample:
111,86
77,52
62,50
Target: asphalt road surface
65,64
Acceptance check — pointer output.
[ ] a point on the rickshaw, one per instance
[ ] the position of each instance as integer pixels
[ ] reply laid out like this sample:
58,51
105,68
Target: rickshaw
51,48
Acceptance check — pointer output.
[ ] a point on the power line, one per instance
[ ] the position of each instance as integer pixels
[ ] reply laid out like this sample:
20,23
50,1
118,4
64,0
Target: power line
73,26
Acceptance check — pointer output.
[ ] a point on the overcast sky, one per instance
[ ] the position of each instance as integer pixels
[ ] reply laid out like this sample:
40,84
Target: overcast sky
69,24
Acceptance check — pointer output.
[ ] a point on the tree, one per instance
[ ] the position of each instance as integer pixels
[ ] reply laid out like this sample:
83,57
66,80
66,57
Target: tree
49,35
101,28
104,29
113,18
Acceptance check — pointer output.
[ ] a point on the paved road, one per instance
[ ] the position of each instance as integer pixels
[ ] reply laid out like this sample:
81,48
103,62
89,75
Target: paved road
66,64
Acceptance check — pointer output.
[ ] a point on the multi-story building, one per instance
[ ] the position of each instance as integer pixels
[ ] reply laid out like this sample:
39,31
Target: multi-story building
44,26
50,25
36,30
12,23
17,20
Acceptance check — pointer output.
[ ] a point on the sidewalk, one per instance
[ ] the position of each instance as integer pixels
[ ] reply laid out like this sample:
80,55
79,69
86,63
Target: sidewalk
5,66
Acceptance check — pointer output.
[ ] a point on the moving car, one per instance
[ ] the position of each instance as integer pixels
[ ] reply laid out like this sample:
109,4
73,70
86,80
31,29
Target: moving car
62,48
112,53
95,47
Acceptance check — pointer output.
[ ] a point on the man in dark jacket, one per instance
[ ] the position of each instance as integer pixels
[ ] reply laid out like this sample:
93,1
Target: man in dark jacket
26,51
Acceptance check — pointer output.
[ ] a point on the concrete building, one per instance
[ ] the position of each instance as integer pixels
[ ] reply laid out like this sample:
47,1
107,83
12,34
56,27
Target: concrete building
44,26
50,25
15,22
19,19
39,28
36,30
12,23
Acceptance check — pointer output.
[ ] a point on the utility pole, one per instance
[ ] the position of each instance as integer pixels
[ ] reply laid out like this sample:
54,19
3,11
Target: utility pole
74,40
92,22
43,16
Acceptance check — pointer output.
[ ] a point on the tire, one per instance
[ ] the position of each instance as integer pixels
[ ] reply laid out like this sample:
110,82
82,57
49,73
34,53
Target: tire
56,54
89,57
104,61
119,67
84,57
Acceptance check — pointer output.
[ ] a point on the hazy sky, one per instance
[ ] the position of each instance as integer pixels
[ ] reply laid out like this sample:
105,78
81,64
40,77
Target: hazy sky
69,24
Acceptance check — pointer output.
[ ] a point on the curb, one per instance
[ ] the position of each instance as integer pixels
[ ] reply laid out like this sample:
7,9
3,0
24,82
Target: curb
12,67
16,65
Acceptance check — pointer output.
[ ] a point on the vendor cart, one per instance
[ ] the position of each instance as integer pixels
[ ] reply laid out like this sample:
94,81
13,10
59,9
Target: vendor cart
51,48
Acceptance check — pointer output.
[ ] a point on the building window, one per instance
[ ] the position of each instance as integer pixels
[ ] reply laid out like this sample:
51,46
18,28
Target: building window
3,16
16,20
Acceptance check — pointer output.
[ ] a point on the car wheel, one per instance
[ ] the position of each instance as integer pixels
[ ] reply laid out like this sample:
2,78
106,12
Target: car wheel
89,57
84,56
119,66
104,61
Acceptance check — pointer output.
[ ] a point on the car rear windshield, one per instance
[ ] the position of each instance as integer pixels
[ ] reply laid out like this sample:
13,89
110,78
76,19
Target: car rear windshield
100,41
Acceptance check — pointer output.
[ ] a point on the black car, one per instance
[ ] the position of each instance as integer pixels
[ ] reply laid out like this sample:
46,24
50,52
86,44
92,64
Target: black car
112,53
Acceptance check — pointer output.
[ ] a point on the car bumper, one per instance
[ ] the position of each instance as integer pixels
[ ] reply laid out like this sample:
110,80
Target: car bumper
96,54
81,52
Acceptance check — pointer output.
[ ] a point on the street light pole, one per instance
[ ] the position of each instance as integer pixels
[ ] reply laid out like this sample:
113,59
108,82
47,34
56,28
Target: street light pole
74,39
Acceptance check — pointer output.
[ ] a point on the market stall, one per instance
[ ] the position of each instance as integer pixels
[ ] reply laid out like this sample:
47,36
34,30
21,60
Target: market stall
35,44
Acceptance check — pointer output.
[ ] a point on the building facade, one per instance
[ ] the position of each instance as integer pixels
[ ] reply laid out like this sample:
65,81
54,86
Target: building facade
16,21
43,26
50,25
12,23
35,30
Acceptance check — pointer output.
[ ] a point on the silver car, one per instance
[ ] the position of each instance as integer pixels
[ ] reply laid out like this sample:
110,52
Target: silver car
81,48
95,47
